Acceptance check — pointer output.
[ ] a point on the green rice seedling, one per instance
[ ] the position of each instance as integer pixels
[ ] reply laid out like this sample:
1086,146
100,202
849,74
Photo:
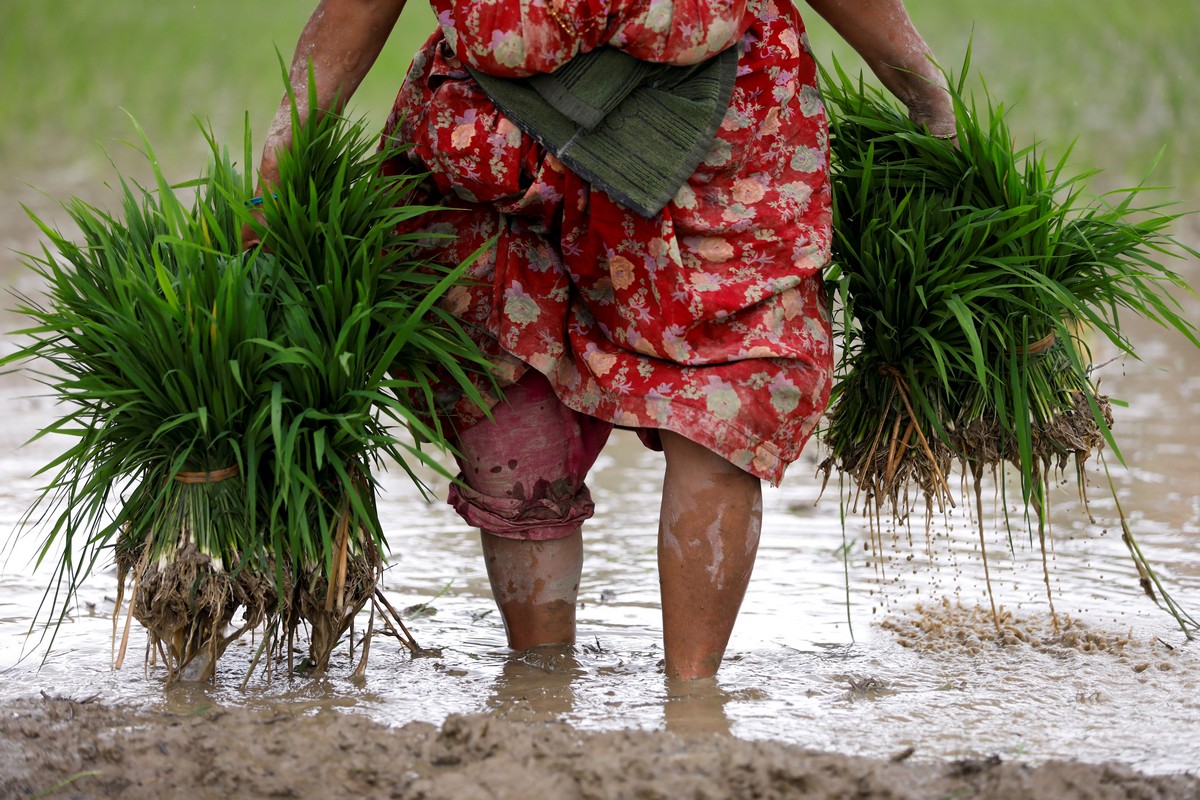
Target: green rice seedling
969,276
227,409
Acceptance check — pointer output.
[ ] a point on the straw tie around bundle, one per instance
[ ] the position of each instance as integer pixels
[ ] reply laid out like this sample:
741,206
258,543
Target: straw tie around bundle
212,476
1040,346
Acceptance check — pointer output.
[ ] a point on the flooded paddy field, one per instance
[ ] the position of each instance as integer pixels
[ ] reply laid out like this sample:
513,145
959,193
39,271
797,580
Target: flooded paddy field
870,656
838,649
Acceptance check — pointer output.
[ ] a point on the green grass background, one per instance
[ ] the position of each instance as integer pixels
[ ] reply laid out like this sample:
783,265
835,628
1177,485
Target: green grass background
1118,77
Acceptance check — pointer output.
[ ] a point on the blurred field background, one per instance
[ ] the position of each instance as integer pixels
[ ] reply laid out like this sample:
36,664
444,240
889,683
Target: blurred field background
1118,77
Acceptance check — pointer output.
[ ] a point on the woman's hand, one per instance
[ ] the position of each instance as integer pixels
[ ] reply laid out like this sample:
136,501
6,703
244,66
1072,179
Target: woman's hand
338,45
883,34
938,120
268,178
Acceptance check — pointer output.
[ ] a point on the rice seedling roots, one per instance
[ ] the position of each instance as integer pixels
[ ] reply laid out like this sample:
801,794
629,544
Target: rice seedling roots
902,456
329,607
187,607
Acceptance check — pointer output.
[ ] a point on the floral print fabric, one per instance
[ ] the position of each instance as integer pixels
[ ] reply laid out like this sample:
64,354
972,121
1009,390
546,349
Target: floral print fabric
708,319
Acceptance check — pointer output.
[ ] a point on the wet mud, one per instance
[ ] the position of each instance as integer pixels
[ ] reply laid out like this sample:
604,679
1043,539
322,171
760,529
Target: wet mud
84,749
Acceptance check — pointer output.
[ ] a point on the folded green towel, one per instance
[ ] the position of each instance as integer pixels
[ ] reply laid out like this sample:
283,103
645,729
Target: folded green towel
634,129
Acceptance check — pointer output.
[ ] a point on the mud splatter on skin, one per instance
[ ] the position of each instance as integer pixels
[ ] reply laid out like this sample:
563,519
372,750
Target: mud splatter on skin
756,513
701,529
716,560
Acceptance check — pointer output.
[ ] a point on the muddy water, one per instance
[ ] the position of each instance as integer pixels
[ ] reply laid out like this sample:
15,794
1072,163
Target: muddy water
902,658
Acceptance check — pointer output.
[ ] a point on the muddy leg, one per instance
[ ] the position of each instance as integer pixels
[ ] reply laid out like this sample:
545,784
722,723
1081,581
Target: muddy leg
535,584
523,475
707,541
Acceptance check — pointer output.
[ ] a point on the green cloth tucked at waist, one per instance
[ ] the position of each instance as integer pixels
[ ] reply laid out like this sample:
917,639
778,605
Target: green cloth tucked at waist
633,129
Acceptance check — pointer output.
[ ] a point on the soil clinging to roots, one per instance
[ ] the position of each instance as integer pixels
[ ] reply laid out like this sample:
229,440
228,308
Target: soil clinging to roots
329,607
187,606
888,467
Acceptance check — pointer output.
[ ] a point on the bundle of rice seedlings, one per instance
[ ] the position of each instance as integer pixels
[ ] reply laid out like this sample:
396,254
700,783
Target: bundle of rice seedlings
969,277
360,342
147,337
227,410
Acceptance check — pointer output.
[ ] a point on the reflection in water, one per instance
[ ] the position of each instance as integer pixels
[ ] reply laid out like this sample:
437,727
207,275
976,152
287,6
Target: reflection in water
875,668
695,707
536,685
541,685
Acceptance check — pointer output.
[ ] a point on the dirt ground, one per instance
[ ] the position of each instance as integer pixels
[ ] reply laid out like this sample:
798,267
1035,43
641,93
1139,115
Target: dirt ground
63,748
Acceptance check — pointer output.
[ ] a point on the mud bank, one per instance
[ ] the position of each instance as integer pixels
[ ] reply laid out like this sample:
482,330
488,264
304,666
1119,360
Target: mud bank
65,748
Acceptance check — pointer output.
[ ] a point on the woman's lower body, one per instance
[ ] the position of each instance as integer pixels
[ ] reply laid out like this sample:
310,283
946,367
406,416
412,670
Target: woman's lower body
523,475
705,328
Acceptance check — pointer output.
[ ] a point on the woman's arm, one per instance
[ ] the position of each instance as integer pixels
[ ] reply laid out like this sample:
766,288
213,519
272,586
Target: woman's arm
882,33
341,40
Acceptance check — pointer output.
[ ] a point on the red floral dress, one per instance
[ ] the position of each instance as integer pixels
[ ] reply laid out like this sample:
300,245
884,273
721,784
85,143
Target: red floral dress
707,319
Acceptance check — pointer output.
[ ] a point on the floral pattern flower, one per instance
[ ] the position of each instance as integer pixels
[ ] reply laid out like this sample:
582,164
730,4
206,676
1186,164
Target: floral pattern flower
622,271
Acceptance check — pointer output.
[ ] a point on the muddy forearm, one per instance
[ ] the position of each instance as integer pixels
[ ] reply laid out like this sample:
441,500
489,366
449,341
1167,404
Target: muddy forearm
341,41
884,35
